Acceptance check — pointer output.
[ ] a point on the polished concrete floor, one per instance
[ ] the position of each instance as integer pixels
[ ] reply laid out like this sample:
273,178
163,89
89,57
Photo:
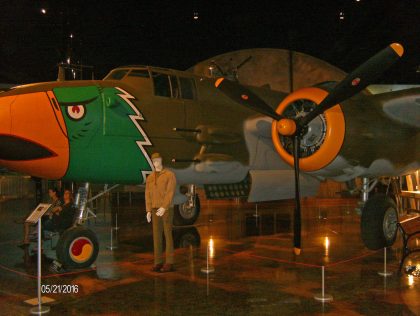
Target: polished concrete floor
250,249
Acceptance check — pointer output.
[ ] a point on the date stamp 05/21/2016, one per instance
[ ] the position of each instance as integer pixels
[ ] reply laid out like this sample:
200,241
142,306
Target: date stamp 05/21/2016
59,289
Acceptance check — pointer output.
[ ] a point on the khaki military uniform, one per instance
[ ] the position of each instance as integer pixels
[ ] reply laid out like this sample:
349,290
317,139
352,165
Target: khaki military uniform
160,190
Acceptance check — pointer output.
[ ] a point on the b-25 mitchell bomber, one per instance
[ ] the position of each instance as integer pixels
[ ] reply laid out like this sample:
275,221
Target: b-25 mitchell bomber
232,139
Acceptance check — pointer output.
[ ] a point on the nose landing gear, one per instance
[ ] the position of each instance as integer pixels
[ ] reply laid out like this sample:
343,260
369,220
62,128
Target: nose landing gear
78,246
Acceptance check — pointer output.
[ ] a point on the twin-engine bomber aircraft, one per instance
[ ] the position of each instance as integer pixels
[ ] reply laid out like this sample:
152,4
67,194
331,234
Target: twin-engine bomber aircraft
234,140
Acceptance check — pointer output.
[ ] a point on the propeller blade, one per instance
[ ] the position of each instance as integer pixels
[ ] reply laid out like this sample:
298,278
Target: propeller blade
297,221
246,97
359,79
244,62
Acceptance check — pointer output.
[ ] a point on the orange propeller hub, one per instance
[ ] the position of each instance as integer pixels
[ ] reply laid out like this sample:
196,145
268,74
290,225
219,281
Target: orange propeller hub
286,127
334,134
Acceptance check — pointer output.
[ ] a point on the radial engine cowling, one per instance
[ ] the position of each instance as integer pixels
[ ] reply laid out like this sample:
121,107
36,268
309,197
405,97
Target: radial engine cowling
324,136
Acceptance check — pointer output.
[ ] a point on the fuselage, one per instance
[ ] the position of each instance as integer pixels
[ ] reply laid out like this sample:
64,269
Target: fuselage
105,131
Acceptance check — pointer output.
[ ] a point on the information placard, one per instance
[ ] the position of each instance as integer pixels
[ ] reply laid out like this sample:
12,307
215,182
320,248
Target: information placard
36,214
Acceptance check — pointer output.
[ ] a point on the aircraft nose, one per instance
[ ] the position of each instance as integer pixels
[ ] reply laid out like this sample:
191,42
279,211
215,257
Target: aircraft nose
12,147
5,118
33,139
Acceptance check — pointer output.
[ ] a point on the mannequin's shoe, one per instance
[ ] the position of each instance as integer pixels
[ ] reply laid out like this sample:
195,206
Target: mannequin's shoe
167,268
157,267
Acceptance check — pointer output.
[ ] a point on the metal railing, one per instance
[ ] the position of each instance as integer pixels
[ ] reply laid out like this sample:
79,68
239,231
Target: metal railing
15,187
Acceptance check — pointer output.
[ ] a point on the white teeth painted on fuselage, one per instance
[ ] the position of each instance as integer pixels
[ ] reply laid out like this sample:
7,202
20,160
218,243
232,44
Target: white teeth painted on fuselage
134,118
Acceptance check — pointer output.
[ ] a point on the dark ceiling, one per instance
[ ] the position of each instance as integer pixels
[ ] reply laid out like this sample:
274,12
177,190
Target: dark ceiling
164,33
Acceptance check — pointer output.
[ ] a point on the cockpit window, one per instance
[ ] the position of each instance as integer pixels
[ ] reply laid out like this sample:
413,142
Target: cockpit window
161,84
174,87
188,88
142,73
170,86
117,74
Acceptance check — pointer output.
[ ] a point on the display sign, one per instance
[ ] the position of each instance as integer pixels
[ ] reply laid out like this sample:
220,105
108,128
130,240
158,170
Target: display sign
36,214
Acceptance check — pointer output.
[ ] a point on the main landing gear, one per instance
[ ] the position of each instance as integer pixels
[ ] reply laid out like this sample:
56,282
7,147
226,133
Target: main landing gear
379,221
188,212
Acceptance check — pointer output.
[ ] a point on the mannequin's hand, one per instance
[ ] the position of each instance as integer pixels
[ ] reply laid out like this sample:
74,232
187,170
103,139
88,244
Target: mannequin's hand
149,217
160,211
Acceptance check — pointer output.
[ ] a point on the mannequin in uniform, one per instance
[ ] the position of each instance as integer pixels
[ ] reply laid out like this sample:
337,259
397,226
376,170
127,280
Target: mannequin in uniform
160,190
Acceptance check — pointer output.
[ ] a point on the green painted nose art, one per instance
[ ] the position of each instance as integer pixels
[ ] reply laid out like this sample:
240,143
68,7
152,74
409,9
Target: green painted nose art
105,136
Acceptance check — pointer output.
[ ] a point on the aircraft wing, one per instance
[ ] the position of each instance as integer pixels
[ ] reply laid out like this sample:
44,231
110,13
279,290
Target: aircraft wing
271,177
402,106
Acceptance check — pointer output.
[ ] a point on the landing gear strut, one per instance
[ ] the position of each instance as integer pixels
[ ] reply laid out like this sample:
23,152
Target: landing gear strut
187,213
81,202
367,187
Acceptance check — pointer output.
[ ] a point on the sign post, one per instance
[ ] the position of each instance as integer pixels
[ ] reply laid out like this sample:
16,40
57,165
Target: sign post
35,217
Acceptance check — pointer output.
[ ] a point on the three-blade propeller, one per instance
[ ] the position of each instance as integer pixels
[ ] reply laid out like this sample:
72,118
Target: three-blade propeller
246,97
352,84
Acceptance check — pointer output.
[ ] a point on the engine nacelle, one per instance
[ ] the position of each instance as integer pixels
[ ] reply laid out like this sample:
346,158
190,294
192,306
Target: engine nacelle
324,136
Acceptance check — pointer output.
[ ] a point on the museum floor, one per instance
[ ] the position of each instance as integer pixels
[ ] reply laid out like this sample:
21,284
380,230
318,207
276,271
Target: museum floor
250,249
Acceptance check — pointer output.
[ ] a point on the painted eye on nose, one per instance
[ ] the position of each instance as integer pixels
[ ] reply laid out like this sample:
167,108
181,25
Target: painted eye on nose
76,112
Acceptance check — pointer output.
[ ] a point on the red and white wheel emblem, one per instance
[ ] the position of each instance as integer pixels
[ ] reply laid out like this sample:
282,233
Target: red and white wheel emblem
81,249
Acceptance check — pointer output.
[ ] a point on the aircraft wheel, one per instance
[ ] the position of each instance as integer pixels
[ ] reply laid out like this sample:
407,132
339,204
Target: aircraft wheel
184,214
379,222
77,248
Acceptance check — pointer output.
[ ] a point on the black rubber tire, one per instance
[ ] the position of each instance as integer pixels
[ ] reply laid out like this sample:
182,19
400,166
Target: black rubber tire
372,222
81,235
180,220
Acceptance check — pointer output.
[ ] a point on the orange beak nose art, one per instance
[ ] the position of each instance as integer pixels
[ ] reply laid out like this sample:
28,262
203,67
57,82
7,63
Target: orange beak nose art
33,136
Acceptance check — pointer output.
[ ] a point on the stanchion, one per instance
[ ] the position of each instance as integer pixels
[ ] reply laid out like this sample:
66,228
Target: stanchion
111,246
256,215
208,284
385,273
116,221
322,297
208,268
40,309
